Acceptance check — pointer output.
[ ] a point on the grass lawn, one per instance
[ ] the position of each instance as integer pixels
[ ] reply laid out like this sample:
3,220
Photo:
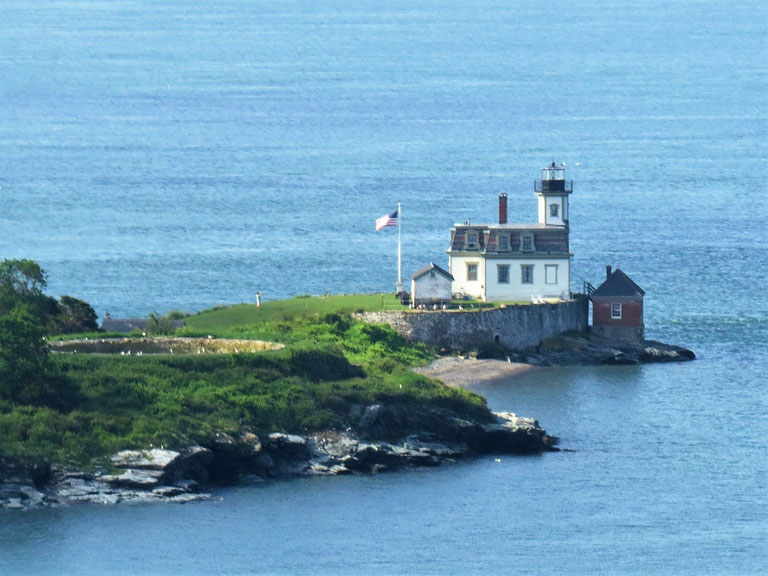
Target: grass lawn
225,321
241,315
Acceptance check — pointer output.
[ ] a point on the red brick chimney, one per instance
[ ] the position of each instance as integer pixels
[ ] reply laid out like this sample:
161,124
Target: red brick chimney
607,272
503,208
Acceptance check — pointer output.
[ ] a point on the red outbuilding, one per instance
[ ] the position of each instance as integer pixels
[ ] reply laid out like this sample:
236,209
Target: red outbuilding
617,308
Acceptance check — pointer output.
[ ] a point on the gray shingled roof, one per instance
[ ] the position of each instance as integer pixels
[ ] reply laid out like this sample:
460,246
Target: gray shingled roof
428,268
618,284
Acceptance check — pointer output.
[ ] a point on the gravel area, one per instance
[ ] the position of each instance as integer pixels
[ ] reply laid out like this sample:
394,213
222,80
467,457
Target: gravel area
464,372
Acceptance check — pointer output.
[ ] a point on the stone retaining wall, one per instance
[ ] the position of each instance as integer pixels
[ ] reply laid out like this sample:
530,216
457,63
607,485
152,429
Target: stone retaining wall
516,327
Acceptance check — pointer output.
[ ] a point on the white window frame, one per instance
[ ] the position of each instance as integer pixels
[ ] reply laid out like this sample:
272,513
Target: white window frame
526,273
615,310
473,243
503,243
523,239
476,267
499,269
547,269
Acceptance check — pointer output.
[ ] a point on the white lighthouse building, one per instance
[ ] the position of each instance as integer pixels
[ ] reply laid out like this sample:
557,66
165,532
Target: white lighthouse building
517,262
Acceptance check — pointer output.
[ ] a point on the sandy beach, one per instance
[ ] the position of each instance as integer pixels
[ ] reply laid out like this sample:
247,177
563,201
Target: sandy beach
464,372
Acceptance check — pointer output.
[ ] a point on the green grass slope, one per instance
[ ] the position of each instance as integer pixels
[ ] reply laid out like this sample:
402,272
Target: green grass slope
330,363
242,319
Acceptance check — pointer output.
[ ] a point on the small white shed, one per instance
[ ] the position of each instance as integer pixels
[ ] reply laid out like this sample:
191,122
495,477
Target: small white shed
431,285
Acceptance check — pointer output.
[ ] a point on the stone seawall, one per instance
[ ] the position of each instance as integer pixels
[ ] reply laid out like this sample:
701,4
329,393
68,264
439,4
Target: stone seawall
516,327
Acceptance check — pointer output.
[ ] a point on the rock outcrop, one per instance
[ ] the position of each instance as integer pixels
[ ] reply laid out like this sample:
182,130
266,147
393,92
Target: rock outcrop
586,349
156,475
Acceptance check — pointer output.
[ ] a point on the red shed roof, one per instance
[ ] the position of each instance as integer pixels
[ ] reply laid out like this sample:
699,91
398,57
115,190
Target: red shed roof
618,284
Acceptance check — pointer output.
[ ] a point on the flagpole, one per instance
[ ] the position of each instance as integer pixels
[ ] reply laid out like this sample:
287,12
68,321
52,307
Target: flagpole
399,249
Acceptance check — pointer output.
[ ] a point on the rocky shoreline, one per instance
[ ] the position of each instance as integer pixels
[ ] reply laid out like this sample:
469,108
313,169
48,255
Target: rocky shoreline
161,475
376,444
580,349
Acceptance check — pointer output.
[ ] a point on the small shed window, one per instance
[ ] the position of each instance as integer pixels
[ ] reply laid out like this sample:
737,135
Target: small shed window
616,310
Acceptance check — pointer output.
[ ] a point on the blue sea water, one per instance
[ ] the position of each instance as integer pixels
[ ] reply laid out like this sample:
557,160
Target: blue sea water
179,155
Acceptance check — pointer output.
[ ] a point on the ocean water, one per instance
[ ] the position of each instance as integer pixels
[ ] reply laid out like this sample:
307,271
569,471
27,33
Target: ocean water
180,155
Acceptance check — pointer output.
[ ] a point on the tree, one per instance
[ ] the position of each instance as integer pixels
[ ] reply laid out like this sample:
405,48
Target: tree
159,326
27,375
76,316
24,281
22,277
23,352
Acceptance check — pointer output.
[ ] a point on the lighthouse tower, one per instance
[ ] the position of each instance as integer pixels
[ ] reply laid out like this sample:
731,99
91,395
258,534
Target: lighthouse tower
553,191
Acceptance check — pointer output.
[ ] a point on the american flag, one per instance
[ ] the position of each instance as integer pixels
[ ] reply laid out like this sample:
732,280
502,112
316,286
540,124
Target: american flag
387,220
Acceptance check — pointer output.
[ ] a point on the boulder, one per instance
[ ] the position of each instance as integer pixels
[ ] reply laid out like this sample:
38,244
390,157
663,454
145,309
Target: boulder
31,496
154,459
657,352
287,447
234,456
135,478
512,434
149,468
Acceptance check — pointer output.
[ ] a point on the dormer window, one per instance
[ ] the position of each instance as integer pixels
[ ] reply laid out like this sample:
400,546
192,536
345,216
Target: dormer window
472,240
526,243
554,209
503,243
